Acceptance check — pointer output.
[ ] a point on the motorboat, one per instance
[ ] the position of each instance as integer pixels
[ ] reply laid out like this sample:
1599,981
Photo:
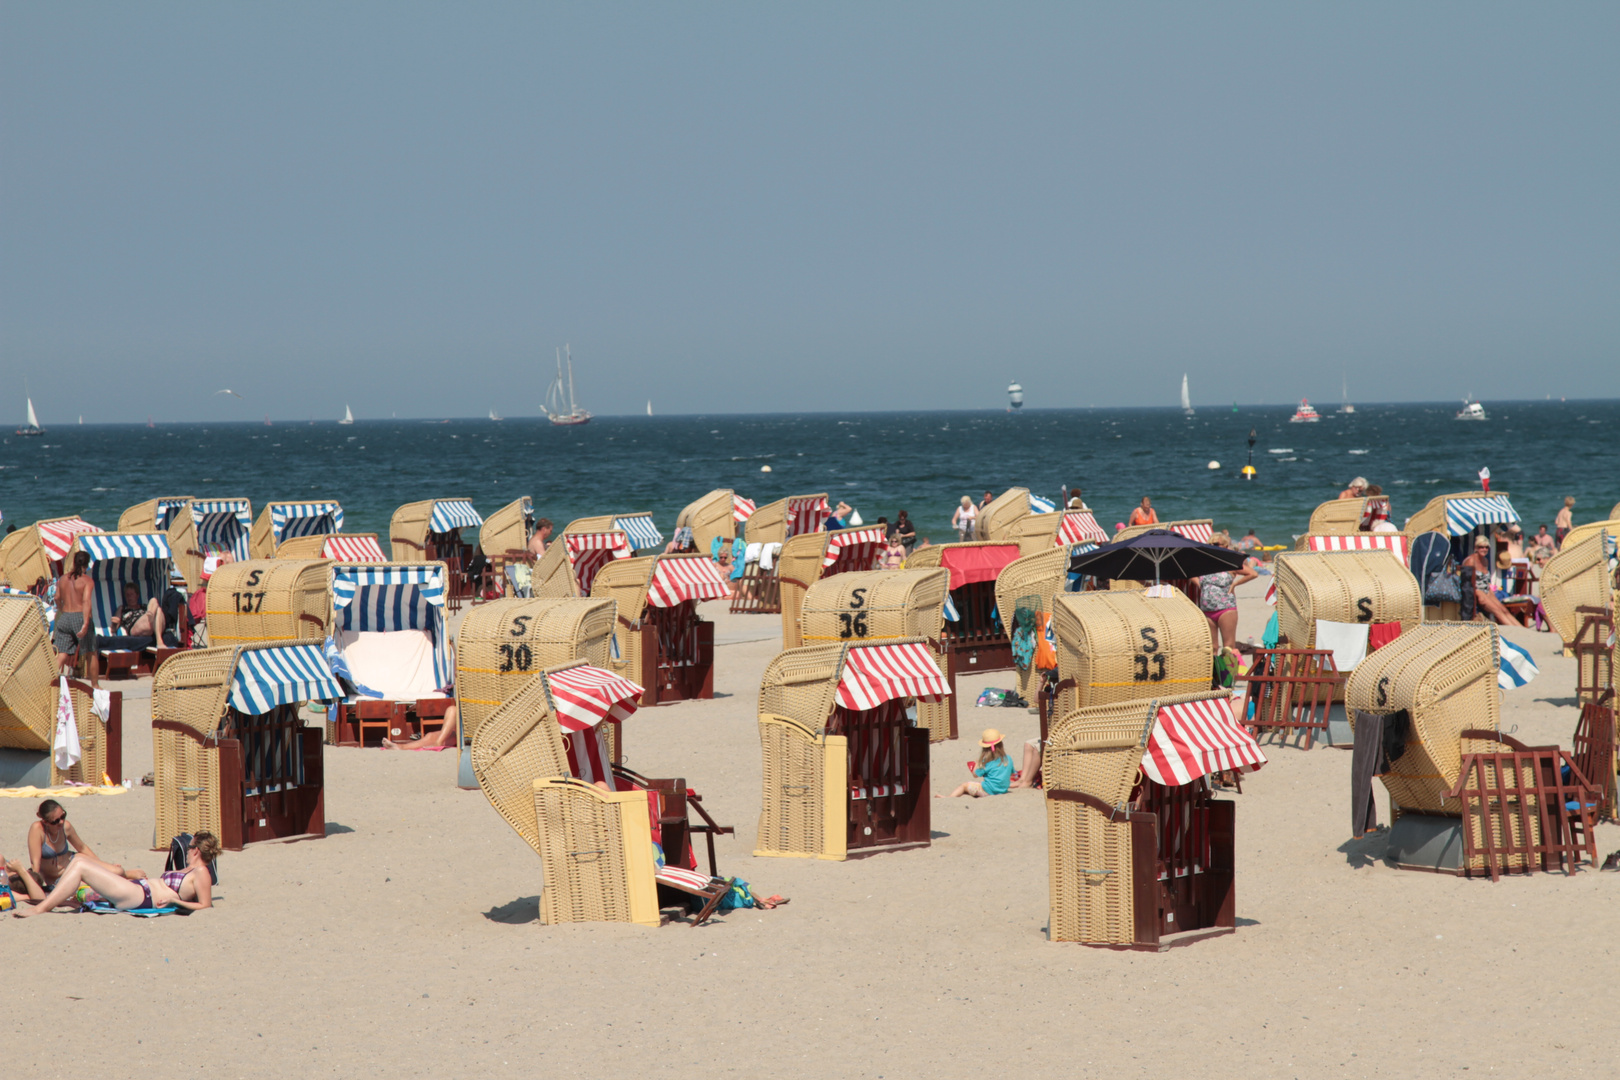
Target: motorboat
1305,414
1472,410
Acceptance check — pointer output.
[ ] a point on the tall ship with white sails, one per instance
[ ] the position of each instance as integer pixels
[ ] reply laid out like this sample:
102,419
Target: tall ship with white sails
32,428
1186,402
554,397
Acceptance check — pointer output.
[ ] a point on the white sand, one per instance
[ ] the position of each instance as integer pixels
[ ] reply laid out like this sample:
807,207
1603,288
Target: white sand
406,942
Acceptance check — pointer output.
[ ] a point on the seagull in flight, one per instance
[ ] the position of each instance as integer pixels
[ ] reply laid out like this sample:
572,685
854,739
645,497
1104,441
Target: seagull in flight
233,394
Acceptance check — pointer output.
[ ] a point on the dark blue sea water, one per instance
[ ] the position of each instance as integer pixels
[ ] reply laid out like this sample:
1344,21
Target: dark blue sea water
878,462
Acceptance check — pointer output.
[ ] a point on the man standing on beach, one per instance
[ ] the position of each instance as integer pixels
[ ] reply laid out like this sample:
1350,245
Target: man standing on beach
1565,521
1144,514
72,633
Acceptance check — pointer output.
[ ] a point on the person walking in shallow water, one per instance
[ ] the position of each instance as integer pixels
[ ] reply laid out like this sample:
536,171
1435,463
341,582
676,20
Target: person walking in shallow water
963,520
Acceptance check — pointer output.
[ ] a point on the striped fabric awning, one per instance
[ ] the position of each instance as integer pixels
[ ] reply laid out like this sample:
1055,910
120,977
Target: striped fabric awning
694,577
807,515
163,515
1038,505
1394,543
585,696
741,509
1079,526
304,519
1200,531
101,546
386,597
223,525
353,549
453,514
1374,511
873,674
1465,515
1196,738
281,675
841,542
57,536
589,552
640,529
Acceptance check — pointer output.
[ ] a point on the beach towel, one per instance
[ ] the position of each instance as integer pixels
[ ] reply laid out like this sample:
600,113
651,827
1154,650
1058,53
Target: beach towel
1515,669
101,907
1381,634
65,748
1346,641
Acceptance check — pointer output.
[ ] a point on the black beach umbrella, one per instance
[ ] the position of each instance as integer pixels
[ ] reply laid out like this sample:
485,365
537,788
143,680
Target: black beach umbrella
1156,554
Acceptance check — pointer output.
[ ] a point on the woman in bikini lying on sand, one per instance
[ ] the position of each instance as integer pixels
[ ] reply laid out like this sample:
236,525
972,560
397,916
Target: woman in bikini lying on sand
191,888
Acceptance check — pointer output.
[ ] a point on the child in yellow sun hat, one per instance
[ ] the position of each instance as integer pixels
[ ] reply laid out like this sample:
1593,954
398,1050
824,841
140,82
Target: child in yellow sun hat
993,771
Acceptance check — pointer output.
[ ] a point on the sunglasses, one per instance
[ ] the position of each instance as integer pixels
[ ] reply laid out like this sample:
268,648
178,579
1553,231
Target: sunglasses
57,820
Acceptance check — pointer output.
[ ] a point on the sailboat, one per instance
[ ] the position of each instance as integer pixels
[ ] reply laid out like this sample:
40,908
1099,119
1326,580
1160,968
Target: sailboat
348,415
1344,393
649,406
1186,402
32,428
554,396
267,422
493,415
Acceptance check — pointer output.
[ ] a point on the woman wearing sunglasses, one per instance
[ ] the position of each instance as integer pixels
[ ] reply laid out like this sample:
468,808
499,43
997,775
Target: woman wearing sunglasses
53,842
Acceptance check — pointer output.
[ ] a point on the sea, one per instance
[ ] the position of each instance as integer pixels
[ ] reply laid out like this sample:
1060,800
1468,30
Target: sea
879,462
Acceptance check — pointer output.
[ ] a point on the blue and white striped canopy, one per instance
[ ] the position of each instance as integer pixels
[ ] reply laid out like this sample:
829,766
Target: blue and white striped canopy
1038,505
386,598
101,546
304,519
642,532
141,559
223,525
453,514
281,675
164,515
1464,515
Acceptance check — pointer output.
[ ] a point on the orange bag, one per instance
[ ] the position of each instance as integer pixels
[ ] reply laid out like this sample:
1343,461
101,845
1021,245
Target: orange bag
1045,644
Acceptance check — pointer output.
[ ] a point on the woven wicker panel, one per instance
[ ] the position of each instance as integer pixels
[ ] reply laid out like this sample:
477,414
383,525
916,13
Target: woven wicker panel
1581,532
92,765
799,684
798,567
1432,518
408,529
23,560
27,676
1044,574
507,529
504,644
141,517
894,603
768,525
1339,517
1578,576
185,778
1137,530
553,576
1444,674
1110,643
193,687
625,581
516,745
261,539
580,838
281,592
709,517
1035,533
1343,586
10,551
792,792
996,521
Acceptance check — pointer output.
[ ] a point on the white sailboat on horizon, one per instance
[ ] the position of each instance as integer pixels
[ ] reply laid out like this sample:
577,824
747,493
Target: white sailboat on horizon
493,415
32,428
1344,394
649,406
1186,402
554,397
348,415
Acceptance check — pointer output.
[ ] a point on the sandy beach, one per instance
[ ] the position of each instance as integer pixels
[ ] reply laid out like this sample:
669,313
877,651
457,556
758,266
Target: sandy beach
407,941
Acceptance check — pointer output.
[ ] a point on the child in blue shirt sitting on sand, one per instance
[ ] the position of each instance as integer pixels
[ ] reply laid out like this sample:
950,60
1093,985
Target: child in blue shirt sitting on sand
994,769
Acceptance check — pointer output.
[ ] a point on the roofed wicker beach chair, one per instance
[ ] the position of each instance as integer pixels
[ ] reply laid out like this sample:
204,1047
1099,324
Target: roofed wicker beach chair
1346,517
431,531
1578,597
1025,591
977,636
1128,646
1036,533
1461,515
996,521
810,557
281,521
663,644
769,528
30,694
715,515
338,547
31,557
504,542
142,560
572,560
638,528
197,528
886,605
845,761
1140,851
542,761
269,601
1467,799
230,754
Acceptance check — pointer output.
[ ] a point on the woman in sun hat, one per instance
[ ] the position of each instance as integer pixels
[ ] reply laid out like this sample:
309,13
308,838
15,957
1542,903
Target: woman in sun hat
993,770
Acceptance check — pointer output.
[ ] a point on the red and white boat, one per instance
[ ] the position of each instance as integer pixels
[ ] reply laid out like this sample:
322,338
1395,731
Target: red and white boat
1305,414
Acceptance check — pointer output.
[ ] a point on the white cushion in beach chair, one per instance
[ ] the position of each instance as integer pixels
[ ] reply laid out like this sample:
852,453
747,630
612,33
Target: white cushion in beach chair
398,665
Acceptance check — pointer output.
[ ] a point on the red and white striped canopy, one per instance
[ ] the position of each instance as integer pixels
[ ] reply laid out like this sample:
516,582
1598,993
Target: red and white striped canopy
353,549
1373,511
807,515
1196,738
852,543
1078,527
1392,542
686,577
741,509
1201,531
57,536
589,552
585,696
874,674
1271,591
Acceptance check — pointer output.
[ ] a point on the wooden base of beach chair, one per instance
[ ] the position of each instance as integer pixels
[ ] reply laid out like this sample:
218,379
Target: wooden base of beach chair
428,714
1291,693
358,721
118,665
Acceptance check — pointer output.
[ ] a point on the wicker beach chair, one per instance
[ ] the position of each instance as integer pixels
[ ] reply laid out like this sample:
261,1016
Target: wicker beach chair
596,846
1581,532
143,560
1466,798
31,557
281,521
1343,586
1580,575
1461,514
1030,584
758,591
230,754
1128,646
978,636
29,697
338,547
1140,853
269,601
209,528
1346,517
811,557
504,539
845,764
997,521
638,528
431,531
886,605
716,514
663,644
389,641
1036,533
572,560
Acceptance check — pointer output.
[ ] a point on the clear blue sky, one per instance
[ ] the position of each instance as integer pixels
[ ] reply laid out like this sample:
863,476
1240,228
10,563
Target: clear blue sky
803,207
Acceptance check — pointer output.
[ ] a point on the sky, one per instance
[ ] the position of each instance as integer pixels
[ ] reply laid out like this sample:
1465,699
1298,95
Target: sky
819,207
